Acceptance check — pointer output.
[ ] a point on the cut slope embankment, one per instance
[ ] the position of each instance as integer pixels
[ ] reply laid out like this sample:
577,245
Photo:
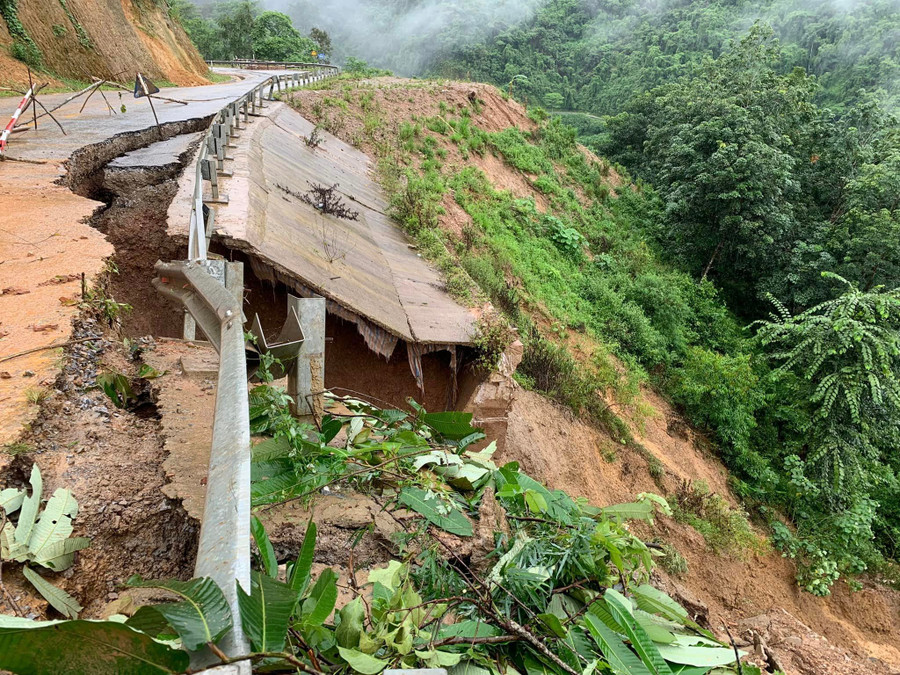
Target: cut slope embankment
753,589
78,39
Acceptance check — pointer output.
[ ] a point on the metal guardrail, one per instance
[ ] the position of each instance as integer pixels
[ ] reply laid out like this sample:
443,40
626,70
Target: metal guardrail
248,64
212,291
210,163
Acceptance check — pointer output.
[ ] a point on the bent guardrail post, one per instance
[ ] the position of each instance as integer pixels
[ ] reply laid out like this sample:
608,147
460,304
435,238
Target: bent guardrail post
306,380
224,550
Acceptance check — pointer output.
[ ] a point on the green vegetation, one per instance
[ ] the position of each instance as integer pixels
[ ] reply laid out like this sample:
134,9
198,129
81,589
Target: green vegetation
724,528
540,598
41,538
238,30
83,38
753,166
596,56
598,268
23,47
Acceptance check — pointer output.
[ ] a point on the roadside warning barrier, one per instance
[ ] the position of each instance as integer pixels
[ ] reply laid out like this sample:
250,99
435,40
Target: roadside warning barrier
15,118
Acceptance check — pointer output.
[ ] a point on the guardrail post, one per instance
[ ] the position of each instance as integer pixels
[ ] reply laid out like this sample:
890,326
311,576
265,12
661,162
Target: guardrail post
306,379
235,114
209,172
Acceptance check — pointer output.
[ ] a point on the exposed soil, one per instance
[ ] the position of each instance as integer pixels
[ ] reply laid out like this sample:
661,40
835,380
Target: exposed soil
111,460
45,247
135,223
117,38
114,460
848,632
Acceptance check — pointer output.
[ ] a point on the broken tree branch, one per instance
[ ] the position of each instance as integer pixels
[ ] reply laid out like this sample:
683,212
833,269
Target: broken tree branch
51,117
68,343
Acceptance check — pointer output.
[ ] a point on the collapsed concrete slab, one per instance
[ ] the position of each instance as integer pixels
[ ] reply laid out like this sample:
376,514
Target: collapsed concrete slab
365,268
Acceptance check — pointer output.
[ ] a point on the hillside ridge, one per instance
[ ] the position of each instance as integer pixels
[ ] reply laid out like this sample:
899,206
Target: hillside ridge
80,39
648,446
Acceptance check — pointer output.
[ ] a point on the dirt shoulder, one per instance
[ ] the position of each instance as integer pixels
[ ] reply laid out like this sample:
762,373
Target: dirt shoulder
45,248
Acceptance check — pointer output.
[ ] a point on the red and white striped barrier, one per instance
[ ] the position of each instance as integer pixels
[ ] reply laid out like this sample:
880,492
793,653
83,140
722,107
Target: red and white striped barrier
15,118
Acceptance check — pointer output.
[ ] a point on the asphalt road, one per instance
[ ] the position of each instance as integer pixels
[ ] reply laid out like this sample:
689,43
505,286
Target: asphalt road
96,123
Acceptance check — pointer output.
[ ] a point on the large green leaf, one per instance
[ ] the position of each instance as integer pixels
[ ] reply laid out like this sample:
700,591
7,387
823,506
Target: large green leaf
352,615
266,612
469,628
658,633
322,598
61,601
362,663
300,573
30,505
55,523
11,499
438,512
559,505
10,549
452,425
273,481
620,608
631,511
469,668
653,600
79,647
621,659
266,551
271,448
200,617
147,620
60,555
698,656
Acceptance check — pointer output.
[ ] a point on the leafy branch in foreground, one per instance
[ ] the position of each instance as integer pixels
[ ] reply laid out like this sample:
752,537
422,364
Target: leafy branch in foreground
562,587
43,540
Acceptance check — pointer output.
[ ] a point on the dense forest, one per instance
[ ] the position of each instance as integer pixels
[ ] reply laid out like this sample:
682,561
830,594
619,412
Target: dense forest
767,161
595,55
240,29
752,274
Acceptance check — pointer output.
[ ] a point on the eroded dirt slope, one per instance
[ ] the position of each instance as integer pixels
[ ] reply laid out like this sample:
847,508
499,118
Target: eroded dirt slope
81,38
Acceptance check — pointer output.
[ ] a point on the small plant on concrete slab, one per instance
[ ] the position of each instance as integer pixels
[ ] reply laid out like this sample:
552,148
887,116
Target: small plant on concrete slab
328,201
314,139
41,538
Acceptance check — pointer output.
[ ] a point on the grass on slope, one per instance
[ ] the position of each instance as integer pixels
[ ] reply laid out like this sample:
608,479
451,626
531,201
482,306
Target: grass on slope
578,278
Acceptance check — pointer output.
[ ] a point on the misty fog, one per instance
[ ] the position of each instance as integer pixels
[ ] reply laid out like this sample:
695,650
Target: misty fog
403,35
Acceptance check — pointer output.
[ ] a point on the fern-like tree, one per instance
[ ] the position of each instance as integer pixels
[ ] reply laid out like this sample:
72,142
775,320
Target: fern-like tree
843,357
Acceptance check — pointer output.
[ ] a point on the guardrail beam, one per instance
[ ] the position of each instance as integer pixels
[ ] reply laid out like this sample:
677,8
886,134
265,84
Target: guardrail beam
224,550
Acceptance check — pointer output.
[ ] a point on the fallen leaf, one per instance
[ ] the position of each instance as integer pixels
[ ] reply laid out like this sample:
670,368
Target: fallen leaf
68,302
44,327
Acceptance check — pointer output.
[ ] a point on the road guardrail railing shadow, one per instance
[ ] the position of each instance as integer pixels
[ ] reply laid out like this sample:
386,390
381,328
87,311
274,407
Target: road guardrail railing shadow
211,291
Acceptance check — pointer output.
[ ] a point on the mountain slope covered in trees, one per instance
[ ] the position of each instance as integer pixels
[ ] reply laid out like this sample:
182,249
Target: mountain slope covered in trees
594,55
750,275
